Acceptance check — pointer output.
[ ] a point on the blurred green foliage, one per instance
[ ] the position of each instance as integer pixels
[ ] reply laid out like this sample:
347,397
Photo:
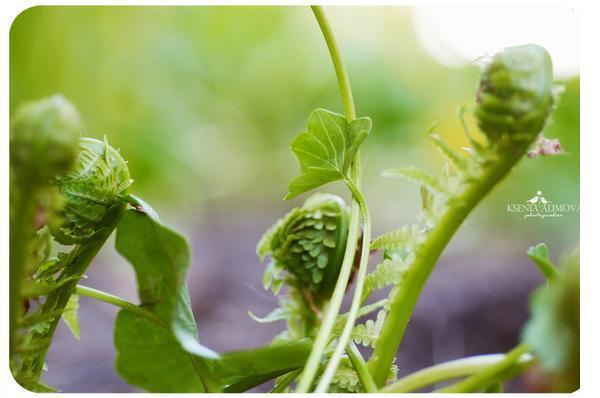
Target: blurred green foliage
204,101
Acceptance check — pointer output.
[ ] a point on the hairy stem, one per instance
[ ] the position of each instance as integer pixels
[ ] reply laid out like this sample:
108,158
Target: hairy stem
447,371
492,374
357,298
404,302
79,259
333,308
361,368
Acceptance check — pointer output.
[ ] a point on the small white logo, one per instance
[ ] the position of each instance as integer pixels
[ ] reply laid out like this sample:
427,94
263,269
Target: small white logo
538,198
540,207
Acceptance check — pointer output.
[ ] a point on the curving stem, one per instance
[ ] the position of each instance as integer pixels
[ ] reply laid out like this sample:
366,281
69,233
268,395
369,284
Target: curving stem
405,300
333,308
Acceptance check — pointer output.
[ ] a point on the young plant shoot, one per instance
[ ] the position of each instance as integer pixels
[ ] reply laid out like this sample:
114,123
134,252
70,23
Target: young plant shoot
69,193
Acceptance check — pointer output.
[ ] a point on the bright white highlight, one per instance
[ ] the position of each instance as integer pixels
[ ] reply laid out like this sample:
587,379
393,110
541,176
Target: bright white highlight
456,36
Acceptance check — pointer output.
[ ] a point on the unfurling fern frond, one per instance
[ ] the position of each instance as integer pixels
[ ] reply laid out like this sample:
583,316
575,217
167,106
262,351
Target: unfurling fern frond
263,248
272,277
430,210
389,272
515,95
95,185
309,244
460,162
406,238
43,140
367,333
418,176
346,379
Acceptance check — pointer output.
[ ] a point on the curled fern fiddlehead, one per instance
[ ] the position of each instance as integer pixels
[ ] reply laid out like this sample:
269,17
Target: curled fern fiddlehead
75,186
43,140
43,144
515,94
514,101
309,244
96,184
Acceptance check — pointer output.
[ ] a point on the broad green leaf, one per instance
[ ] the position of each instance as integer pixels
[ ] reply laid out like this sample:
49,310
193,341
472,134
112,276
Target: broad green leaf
160,257
553,326
151,357
246,369
69,316
541,257
326,149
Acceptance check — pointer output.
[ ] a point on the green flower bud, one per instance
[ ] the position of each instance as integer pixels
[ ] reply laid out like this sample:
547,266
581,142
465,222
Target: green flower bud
43,139
515,94
96,184
309,243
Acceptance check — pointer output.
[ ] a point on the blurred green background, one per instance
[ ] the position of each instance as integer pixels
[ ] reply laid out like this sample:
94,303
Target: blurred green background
204,101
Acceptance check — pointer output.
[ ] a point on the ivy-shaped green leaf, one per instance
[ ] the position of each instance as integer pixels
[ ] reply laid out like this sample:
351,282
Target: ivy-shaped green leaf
326,149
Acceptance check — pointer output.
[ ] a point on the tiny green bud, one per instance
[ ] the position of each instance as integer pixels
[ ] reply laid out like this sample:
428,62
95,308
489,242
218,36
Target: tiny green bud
43,139
515,94
309,243
96,183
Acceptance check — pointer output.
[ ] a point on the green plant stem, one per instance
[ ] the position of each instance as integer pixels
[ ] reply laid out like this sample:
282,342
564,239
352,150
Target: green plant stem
285,381
491,375
338,65
446,371
357,297
79,259
21,233
323,336
123,304
361,368
204,374
403,304
210,384
333,308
